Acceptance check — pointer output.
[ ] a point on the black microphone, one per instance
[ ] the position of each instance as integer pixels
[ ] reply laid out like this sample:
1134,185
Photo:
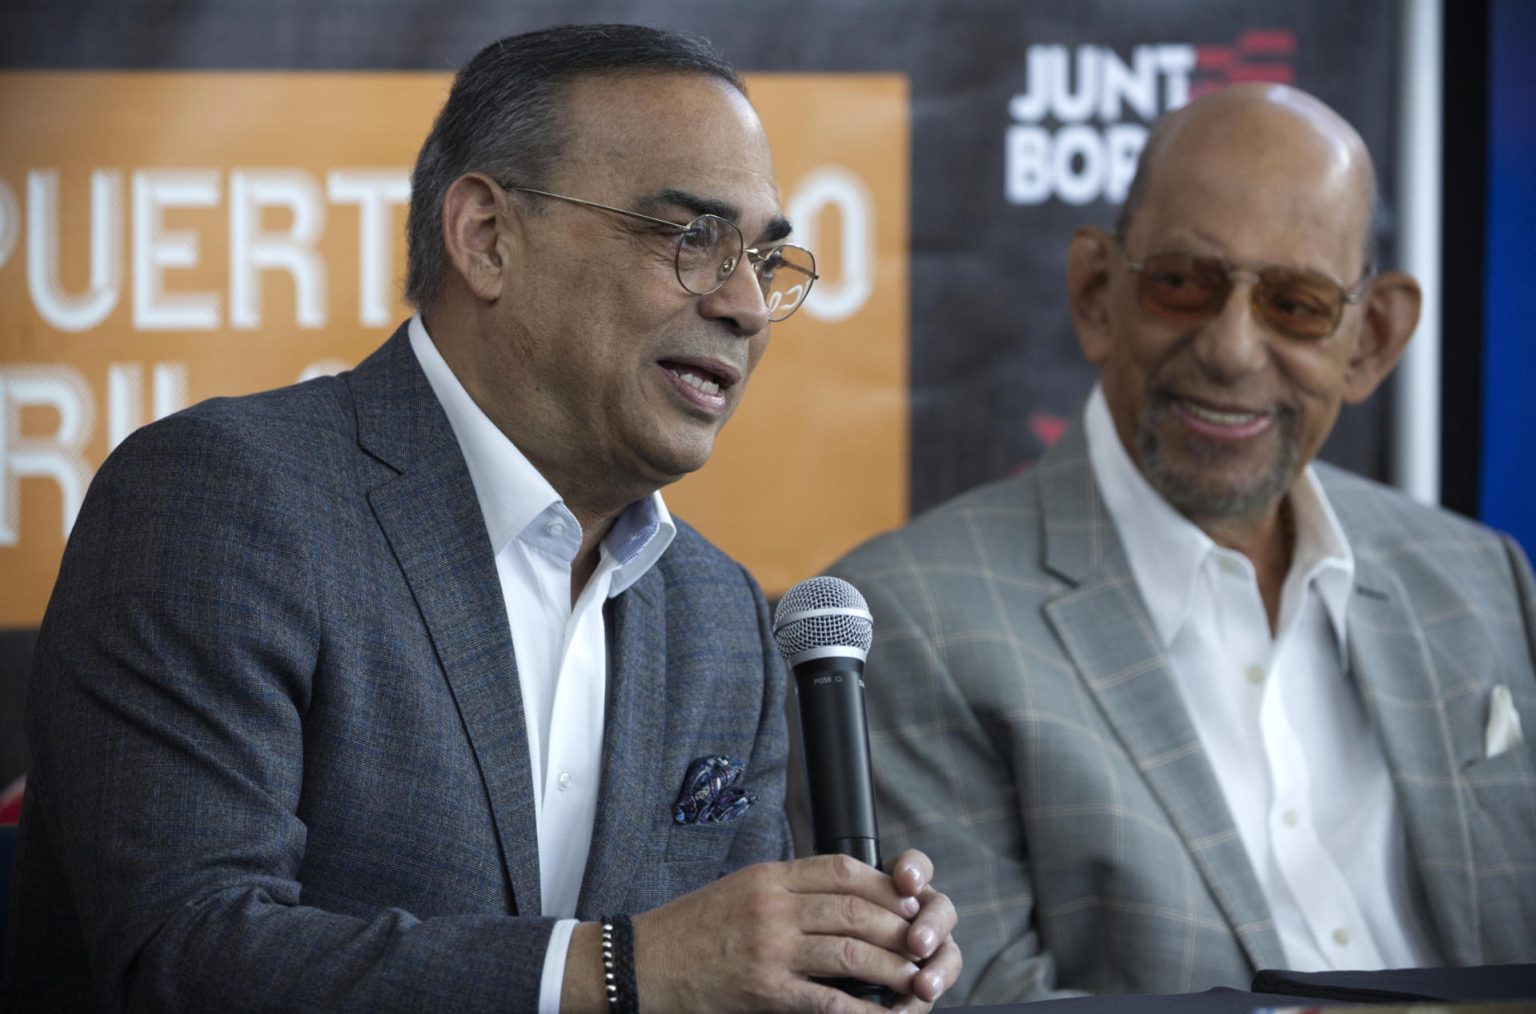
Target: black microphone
824,630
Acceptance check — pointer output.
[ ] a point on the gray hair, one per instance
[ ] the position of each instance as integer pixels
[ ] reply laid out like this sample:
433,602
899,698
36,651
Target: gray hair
503,117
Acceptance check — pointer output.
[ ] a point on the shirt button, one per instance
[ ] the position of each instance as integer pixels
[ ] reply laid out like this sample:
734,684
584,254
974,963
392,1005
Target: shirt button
1255,674
564,780
1341,936
555,528
1291,818
1231,566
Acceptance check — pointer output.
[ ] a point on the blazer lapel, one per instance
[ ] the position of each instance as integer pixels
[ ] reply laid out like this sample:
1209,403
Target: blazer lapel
1395,674
431,517
1123,663
633,728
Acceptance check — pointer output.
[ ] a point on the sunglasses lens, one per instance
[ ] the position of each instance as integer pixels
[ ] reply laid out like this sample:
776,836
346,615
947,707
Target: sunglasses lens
1302,304
1182,286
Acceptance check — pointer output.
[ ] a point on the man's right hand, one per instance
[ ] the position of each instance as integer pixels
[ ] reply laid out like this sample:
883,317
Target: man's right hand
753,940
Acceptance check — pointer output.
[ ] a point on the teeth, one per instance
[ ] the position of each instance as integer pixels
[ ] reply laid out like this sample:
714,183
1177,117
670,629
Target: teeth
695,381
1219,418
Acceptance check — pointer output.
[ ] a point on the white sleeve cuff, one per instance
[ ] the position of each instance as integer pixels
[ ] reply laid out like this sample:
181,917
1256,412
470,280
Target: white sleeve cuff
553,979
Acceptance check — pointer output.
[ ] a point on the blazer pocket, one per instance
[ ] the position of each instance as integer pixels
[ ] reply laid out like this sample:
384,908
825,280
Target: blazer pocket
1511,767
1503,789
699,843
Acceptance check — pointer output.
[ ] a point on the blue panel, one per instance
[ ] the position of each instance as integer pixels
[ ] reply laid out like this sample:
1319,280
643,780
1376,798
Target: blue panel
1508,484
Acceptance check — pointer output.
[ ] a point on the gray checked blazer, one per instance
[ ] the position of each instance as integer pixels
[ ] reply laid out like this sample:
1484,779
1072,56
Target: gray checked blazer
1028,734
280,756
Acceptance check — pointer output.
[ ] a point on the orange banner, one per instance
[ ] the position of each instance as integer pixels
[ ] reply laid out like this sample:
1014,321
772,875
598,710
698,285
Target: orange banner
169,237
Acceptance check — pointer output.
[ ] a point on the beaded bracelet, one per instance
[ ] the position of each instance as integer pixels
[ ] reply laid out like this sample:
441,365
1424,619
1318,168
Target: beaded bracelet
619,965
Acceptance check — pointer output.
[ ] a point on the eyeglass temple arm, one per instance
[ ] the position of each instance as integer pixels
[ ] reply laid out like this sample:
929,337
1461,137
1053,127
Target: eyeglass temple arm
756,257
593,204
1352,296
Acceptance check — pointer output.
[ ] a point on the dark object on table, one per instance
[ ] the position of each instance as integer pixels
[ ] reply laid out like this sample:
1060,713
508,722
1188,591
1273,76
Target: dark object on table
1487,982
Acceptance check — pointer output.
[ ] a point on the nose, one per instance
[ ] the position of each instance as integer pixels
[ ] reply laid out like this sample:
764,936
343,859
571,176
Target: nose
1235,342
739,302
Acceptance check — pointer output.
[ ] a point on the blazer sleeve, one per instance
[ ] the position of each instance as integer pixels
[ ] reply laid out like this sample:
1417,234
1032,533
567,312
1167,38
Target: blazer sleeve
167,716
944,785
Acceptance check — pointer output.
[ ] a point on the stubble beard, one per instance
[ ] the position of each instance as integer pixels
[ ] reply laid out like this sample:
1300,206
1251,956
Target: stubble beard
1190,489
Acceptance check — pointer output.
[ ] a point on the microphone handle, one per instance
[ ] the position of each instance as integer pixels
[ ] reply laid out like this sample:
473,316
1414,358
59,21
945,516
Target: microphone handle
865,850
835,734
836,738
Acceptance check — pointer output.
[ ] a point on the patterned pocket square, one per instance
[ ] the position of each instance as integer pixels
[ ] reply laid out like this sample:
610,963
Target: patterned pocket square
1503,729
710,792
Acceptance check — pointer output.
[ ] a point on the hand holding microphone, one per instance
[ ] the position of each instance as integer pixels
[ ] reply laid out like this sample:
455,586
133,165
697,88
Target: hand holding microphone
824,630
789,931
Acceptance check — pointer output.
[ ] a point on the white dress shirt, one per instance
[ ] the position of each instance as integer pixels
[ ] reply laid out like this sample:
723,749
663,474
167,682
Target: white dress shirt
561,650
1298,761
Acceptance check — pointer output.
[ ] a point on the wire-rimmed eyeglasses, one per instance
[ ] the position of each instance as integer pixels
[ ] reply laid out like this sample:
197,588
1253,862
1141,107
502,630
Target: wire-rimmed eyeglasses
1299,303
709,248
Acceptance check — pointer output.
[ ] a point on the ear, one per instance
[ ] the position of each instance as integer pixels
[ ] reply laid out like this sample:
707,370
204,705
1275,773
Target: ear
1391,313
474,234
1088,261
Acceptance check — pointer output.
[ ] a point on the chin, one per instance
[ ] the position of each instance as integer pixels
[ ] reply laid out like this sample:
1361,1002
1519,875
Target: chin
675,462
1214,489
1196,495
1205,479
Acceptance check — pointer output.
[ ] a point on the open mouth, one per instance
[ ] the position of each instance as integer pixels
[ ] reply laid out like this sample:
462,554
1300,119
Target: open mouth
702,384
1219,417
1227,423
697,377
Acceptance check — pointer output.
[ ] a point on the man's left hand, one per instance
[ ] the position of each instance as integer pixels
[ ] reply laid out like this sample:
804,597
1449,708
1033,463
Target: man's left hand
930,938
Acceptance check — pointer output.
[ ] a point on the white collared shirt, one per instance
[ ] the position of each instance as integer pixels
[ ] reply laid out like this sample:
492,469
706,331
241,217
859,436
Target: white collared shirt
1301,768
561,649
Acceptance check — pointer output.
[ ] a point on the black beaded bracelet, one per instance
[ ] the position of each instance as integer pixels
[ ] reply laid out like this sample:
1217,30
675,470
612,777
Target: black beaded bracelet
619,965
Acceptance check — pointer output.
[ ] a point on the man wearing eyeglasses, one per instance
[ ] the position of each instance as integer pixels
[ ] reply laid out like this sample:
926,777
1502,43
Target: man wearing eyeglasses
402,689
1178,704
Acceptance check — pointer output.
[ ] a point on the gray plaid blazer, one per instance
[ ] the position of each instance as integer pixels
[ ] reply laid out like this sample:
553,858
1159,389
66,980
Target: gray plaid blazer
280,758
1027,733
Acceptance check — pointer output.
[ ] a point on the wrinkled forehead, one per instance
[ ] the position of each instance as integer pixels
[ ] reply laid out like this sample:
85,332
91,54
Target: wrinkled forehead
632,135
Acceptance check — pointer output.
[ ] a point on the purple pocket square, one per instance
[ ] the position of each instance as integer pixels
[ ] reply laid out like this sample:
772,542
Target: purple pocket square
711,794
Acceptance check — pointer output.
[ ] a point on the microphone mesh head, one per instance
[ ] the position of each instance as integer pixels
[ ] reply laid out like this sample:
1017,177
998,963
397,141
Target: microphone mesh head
823,612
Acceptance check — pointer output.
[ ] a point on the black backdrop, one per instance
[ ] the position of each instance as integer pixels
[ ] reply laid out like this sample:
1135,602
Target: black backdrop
992,359
993,367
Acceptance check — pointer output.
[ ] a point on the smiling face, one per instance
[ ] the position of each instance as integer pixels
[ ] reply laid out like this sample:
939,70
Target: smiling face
1221,414
610,376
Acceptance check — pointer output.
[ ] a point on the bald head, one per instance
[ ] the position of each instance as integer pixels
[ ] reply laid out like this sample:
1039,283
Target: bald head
1258,130
1218,394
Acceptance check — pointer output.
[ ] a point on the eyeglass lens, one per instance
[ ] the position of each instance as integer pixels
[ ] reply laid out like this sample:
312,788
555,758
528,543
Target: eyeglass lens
711,247
707,252
785,273
1301,304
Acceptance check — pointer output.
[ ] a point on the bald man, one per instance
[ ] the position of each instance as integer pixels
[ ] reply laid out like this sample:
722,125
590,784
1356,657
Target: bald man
1179,704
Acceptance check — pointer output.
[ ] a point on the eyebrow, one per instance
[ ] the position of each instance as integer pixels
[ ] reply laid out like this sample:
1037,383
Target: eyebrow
778,226
1215,244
